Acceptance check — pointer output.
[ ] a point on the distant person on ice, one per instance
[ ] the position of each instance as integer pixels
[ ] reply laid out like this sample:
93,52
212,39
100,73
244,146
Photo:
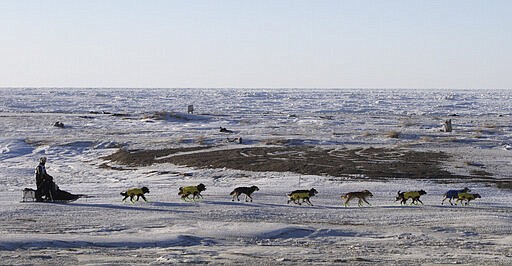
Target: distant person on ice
47,188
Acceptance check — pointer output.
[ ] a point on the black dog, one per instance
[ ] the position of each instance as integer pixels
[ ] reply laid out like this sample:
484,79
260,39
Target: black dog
243,190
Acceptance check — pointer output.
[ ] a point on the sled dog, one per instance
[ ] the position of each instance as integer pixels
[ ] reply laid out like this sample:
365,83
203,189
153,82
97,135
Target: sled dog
304,195
195,191
414,195
135,192
243,190
361,195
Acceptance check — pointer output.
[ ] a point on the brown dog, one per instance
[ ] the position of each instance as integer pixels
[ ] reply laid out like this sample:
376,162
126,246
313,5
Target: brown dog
361,195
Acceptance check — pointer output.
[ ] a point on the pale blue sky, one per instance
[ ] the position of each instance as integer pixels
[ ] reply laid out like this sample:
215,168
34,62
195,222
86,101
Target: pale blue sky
237,43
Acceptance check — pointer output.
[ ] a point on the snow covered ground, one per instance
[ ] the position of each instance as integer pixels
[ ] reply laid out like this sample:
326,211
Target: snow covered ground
166,230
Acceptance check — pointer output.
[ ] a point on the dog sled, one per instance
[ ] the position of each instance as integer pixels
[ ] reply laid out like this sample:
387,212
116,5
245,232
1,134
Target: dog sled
56,196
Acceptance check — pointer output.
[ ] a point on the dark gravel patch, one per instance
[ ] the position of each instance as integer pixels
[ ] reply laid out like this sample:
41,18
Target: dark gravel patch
375,163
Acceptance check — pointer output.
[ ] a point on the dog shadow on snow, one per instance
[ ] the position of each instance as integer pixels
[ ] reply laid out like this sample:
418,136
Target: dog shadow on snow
135,208
271,205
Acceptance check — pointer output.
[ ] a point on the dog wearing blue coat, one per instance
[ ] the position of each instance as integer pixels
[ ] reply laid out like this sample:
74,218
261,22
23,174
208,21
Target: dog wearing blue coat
454,194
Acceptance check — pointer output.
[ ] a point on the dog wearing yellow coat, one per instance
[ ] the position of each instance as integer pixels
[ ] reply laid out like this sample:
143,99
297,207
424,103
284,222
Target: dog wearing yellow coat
135,192
464,196
414,195
195,191
304,195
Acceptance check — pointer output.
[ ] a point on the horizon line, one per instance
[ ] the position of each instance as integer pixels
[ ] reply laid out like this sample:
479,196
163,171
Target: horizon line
260,88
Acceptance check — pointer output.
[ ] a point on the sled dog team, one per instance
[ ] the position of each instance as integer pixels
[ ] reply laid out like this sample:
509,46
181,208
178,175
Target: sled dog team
303,196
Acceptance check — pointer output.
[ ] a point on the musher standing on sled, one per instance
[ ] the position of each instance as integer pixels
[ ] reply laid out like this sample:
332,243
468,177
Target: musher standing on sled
47,188
44,181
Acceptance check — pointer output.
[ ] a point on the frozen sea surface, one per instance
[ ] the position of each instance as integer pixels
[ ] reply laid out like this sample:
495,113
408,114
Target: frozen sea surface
338,117
166,230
